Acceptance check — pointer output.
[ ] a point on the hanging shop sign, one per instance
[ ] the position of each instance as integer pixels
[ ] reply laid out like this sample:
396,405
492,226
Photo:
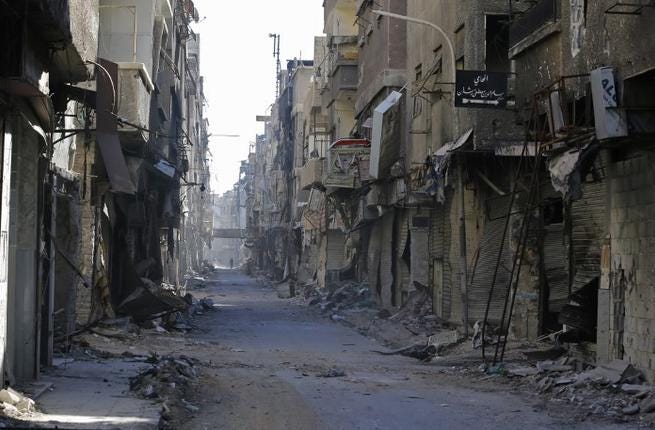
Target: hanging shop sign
480,89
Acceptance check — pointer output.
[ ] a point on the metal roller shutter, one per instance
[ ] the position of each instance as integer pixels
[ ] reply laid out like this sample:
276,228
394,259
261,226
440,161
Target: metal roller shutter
556,266
440,243
402,274
490,245
588,230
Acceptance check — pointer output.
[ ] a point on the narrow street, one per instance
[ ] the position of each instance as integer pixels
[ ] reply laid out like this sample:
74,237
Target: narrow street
275,365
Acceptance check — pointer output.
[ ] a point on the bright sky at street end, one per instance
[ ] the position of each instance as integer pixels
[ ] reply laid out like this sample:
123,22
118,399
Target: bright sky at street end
237,62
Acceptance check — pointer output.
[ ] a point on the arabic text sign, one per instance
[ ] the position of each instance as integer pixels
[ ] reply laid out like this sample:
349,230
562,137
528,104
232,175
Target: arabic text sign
480,89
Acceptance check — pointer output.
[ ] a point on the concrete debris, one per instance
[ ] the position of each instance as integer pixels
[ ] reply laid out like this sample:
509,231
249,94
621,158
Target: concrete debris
164,380
339,296
14,403
546,366
648,405
349,302
613,372
523,371
332,373
630,410
637,389
611,389
424,352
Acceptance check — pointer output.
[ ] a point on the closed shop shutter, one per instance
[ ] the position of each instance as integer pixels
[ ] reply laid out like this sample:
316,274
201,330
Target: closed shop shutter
401,275
588,217
439,246
335,250
492,237
419,249
556,266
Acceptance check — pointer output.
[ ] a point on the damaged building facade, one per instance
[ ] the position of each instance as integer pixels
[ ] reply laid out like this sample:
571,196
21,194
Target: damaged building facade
104,168
491,157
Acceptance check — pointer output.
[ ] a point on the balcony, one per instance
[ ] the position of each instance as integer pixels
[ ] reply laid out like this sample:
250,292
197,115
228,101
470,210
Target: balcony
533,19
343,82
134,86
76,23
311,174
348,164
341,75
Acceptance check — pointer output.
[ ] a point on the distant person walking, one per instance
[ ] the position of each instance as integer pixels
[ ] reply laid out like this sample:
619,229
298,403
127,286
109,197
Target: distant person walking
231,263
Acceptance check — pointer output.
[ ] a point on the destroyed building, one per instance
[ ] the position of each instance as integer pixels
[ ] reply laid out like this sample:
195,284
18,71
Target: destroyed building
490,154
105,176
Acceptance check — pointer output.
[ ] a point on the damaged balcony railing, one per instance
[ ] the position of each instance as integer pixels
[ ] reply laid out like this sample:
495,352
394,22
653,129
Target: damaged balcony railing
348,163
526,22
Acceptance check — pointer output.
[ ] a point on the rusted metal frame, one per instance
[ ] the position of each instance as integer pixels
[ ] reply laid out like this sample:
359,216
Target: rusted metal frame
515,273
505,229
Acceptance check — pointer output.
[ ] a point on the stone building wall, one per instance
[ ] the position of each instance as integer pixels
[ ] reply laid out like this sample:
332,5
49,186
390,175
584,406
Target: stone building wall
632,277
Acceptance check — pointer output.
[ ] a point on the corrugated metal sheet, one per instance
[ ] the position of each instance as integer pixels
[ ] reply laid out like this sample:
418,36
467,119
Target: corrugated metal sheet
386,260
556,265
440,243
373,260
483,272
419,251
402,275
589,220
335,250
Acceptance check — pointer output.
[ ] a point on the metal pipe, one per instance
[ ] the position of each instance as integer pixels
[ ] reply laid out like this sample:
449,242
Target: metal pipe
449,43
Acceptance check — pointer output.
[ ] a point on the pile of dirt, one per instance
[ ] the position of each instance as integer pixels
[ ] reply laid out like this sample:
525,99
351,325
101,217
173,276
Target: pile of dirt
166,381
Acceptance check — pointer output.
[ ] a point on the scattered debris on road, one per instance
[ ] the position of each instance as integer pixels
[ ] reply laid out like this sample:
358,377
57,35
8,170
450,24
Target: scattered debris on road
165,381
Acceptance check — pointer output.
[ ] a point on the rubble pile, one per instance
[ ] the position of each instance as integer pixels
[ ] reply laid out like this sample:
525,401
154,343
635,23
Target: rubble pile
181,320
166,381
423,352
416,314
15,405
612,390
340,296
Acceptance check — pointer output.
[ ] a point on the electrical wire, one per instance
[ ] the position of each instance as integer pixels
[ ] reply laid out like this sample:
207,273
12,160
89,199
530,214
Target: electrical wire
111,81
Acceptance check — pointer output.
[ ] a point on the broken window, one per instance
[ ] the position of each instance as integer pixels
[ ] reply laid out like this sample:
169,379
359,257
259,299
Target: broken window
553,210
460,40
538,14
638,97
497,43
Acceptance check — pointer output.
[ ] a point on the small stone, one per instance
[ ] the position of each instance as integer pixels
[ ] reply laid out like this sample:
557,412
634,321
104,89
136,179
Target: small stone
631,410
10,396
648,405
26,405
9,409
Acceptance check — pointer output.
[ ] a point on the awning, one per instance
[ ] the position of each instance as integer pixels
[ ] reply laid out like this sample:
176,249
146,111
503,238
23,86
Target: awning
442,163
568,169
107,134
377,153
114,161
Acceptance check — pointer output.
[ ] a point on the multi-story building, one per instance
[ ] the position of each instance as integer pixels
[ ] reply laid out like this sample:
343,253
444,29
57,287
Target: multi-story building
490,154
101,102
47,46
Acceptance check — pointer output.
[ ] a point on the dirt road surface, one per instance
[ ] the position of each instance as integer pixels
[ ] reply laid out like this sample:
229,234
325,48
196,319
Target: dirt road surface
275,365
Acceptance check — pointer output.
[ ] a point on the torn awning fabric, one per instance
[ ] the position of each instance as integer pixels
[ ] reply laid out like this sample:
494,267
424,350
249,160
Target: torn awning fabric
107,131
442,162
568,169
